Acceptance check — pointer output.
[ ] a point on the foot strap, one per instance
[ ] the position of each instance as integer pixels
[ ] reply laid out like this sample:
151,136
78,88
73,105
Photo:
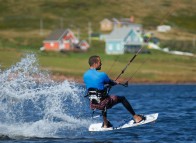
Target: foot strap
143,119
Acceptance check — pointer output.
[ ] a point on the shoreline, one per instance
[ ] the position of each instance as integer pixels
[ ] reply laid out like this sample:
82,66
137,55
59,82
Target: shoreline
61,78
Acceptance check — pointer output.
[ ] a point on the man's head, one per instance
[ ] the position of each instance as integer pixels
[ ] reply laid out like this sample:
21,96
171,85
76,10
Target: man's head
95,62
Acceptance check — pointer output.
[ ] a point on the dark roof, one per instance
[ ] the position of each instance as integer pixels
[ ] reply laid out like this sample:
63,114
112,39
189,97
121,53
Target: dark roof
57,34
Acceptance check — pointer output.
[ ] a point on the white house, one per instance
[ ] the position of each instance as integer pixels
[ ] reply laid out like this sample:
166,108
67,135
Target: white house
163,28
124,39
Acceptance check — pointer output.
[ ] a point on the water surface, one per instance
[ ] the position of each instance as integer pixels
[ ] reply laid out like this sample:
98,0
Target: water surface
34,108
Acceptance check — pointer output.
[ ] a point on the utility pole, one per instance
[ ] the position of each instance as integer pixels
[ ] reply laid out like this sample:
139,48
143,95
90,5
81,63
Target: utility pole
89,33
78,33
41,32
61,23
193,48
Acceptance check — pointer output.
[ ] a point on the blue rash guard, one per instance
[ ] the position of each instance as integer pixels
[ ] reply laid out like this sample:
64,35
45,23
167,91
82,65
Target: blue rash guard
94,79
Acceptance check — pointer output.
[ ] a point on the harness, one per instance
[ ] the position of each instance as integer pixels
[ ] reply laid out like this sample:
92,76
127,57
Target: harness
95,95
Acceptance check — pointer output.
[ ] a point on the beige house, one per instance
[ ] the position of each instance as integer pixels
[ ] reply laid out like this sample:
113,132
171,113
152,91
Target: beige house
106,25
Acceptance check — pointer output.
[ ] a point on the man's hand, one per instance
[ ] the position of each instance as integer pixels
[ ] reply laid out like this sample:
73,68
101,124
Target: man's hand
124,84
117,82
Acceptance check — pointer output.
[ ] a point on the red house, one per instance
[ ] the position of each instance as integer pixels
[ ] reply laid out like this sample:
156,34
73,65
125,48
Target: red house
62,40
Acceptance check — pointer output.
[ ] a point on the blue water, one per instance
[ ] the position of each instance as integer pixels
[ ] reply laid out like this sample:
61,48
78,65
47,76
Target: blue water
34,108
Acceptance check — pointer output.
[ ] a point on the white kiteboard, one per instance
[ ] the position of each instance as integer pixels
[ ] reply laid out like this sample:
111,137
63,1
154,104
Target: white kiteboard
123,124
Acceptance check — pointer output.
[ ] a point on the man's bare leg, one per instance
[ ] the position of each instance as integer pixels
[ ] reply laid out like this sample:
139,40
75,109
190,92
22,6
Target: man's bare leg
105,121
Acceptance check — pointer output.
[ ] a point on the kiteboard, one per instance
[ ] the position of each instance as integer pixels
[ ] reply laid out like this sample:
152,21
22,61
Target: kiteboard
126,123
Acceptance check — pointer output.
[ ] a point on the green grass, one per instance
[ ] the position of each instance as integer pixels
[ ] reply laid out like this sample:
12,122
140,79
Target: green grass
179,45
154,67
77,13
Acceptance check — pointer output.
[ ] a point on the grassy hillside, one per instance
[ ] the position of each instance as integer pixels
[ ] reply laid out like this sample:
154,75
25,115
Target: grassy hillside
21,14
20,33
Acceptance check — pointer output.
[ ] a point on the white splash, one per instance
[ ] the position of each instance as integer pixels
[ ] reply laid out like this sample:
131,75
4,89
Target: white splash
33,105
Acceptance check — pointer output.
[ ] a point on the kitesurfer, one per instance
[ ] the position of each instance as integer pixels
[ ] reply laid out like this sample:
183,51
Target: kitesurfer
96,84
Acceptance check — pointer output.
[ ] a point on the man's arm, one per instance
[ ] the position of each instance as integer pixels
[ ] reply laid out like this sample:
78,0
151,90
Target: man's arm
109,81
112,83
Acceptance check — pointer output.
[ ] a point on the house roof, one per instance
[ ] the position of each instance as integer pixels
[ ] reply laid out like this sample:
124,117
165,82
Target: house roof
115,20
119,33
106,21
57,34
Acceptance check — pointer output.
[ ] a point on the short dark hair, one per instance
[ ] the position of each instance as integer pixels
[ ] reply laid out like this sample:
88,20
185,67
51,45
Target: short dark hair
93,59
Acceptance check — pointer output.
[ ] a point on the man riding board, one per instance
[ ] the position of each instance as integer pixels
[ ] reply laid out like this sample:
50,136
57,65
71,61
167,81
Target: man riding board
96,82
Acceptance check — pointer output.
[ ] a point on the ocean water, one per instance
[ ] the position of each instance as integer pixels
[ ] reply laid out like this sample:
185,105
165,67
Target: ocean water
34,108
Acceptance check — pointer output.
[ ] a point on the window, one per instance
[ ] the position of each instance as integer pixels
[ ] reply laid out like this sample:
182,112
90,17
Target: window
110,47
118,47
52,44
